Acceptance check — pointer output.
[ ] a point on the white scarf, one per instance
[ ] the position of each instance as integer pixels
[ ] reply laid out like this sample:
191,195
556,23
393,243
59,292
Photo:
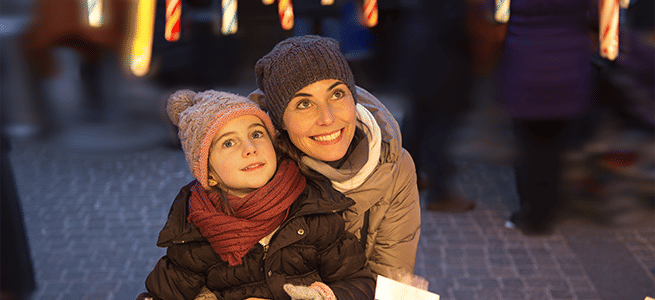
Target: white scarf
374,143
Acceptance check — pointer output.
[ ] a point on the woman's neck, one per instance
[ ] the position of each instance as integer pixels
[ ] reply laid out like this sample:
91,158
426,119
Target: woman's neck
358,137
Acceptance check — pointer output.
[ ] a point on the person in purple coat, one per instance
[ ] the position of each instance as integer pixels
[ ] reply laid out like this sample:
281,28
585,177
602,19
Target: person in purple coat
542,81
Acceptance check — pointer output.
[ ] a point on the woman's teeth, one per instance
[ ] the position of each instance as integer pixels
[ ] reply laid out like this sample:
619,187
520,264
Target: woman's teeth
327,138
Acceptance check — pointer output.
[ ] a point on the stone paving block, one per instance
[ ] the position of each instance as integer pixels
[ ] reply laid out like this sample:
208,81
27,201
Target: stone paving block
487,294
536,294
587,295
526,271
467,282
460,294
512,283
561,294
512,294
489,283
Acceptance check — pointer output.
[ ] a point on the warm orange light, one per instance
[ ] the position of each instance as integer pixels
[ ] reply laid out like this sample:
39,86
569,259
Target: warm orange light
285,9
370,13
141,32
94,12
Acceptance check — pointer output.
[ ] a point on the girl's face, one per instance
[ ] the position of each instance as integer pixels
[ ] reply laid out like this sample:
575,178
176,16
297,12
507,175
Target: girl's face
321,119
241,157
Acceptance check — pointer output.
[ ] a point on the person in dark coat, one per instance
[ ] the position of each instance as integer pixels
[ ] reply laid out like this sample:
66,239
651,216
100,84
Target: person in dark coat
434,71
251,226
543,82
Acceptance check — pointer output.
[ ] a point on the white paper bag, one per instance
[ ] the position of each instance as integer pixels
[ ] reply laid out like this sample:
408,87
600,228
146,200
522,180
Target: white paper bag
387,289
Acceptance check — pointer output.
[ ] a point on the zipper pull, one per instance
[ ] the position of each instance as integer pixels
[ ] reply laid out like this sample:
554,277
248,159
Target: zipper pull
265,251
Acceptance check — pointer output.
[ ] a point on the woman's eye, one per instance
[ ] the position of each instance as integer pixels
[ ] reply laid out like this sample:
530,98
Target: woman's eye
338,94
228,144
303,104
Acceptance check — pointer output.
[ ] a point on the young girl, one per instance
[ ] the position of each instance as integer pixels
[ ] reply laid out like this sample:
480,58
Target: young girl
251,226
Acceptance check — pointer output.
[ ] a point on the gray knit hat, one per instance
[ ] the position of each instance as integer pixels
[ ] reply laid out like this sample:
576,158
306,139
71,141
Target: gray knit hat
296,63
200,116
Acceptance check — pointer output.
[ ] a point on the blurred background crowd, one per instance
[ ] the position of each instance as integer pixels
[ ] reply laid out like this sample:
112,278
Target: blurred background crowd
448,64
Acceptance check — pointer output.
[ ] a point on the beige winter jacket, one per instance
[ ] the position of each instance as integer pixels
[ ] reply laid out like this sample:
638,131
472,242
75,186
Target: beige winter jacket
390,193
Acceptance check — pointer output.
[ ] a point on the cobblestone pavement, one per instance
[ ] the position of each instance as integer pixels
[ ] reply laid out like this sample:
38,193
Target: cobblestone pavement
93,219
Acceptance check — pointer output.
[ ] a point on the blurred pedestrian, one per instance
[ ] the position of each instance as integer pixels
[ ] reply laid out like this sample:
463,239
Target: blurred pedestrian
543,82
434,71
17,281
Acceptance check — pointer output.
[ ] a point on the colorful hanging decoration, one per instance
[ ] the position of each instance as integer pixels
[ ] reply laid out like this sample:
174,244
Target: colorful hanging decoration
370,13
501,14
609,28
285,9
94,12
229,17
173,14
327,2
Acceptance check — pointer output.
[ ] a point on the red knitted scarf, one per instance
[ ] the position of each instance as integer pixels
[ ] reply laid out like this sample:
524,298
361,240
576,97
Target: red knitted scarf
255,216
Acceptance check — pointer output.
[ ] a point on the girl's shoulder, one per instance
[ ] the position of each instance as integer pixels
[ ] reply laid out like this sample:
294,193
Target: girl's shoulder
177,229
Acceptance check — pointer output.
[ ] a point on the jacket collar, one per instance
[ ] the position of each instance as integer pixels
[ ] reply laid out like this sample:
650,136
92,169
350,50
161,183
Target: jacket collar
318,197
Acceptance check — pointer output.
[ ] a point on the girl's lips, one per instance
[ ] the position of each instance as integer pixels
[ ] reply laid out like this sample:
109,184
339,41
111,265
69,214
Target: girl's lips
328,138
252,167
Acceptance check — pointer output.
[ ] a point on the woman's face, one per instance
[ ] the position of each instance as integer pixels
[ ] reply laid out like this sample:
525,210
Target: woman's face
321,119
242,156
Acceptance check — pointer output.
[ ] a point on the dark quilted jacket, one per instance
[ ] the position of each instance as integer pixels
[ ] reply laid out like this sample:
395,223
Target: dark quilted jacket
310,245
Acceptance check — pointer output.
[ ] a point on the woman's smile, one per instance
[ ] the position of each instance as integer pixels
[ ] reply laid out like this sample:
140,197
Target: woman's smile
329,138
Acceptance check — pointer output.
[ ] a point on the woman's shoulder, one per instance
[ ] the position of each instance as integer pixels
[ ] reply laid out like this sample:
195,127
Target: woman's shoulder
319,196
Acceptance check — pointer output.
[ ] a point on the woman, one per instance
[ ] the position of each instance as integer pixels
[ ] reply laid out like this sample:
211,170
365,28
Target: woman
344,133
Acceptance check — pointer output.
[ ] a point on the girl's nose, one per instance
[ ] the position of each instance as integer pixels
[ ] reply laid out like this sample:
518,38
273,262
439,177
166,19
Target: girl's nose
249,149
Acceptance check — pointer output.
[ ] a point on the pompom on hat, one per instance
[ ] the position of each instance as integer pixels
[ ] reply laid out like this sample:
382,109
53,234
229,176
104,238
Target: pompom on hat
296,63
200,116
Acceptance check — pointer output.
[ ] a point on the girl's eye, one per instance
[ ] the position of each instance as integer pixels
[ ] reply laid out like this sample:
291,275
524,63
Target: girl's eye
228,144
257,135
303,104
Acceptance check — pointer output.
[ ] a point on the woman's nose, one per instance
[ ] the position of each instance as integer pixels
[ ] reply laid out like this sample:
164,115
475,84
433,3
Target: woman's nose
326,116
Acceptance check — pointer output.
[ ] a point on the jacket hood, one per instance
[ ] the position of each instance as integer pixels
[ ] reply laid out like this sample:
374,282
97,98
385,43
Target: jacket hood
390,130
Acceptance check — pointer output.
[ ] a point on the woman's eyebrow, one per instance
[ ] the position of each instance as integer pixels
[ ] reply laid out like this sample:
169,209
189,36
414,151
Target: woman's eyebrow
335,84
301,95
328,89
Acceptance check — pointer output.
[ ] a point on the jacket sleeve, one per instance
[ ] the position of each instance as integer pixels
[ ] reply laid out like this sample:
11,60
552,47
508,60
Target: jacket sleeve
398,234
343,262
169,280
